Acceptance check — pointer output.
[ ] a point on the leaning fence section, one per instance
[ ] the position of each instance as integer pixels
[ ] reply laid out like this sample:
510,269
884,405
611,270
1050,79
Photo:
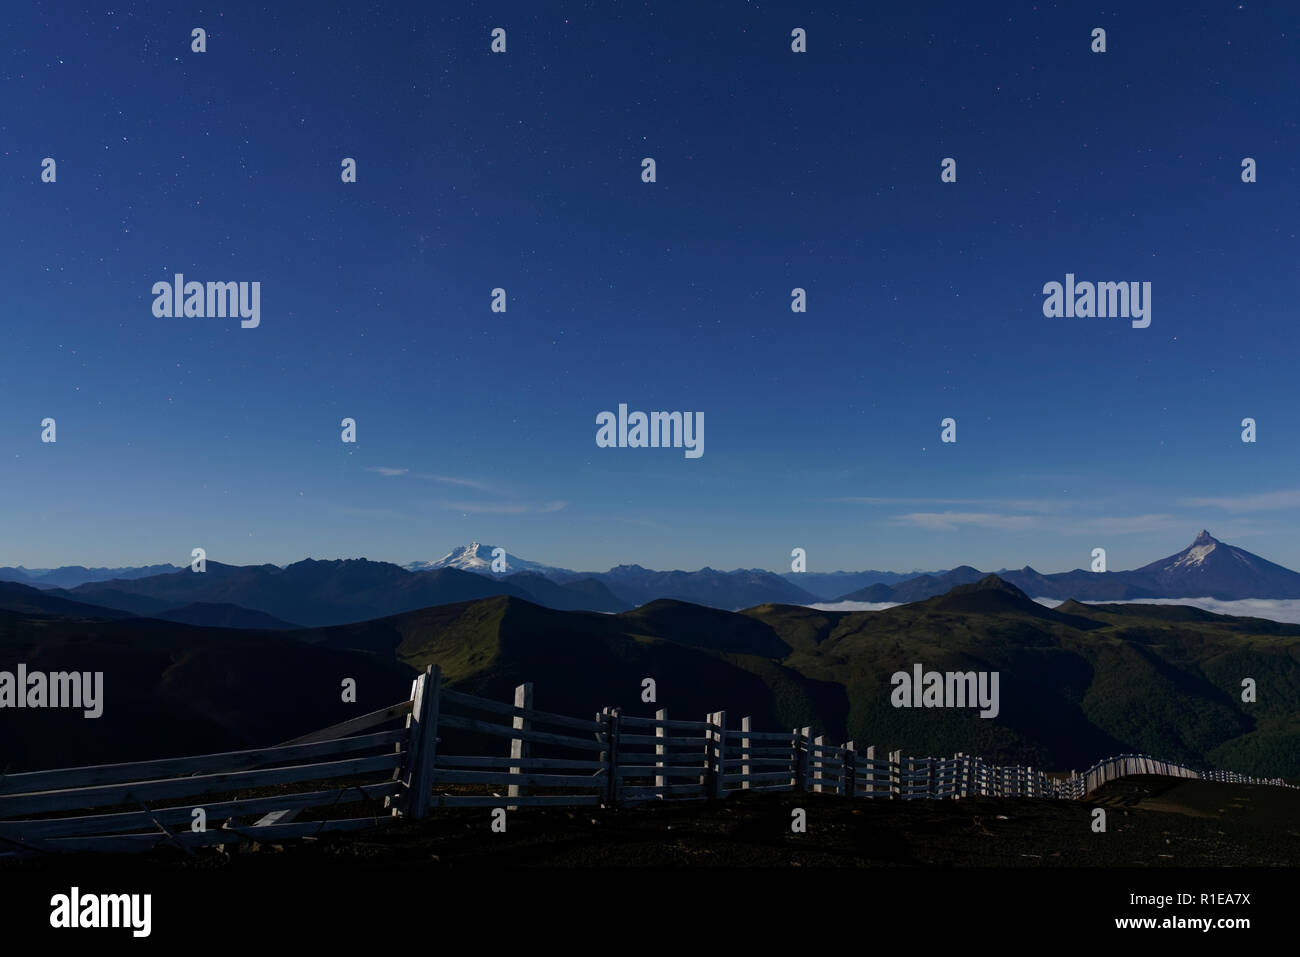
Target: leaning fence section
455,749
203,800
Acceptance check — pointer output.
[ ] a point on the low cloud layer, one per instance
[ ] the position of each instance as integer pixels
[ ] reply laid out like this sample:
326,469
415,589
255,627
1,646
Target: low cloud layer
1285,610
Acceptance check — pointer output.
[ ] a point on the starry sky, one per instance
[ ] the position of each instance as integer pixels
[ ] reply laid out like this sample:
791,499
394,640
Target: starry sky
522,171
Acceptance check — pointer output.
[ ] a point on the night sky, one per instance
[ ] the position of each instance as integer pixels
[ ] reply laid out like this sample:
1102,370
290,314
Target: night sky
775,170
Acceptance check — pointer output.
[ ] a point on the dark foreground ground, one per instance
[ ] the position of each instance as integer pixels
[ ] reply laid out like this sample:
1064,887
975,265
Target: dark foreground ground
1151,822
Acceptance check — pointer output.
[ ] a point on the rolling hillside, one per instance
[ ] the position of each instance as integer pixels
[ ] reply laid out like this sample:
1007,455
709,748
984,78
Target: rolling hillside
1076,683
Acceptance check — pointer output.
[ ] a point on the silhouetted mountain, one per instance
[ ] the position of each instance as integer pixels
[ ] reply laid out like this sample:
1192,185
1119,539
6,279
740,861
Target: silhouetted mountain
222,615
627,586
1205,569
28,600
171,689
828,586
990,595
19,574
1212,569
915,589
702,627
317,593
581,661
708,586
581,594
108,597
69,576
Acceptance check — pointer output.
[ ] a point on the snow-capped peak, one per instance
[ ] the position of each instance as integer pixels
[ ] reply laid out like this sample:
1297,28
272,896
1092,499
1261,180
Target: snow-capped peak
477,557
1198,552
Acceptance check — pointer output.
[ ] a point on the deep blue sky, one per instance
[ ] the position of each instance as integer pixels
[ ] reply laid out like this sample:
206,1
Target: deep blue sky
775,170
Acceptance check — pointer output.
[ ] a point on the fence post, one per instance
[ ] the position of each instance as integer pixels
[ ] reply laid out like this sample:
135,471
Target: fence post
805,737
849,772
422,742
800,756
708,780
719,754
818,762
602,732
746,769
895,759
613,726
661,752
959,781
519,748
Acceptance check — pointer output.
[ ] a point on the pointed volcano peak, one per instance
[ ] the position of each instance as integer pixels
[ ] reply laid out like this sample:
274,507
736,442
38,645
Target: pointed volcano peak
989,584
1205,538
994,595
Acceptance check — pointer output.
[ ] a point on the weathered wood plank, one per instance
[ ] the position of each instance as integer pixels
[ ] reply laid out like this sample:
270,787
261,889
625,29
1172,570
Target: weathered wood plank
503,731
529,800
503,779
137,843
183,816
353,725
515,711
528,764
107,795
91,775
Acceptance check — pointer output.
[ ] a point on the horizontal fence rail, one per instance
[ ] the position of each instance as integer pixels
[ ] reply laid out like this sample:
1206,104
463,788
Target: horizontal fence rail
544,759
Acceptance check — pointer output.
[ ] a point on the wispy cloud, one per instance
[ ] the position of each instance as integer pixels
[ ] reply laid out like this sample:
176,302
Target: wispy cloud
1027,505
503,508
950,521
441,479
461,482
1123,524
1259,502
363,512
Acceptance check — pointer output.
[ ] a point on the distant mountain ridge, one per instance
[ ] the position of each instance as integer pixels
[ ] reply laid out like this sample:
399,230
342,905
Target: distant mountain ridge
1207,568
70,576
319,593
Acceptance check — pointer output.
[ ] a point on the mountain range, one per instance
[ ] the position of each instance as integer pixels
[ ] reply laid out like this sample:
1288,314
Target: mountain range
69,576
1207,568
321,593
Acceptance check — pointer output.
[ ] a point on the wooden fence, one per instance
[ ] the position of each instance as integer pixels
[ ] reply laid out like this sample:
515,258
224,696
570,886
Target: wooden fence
544,759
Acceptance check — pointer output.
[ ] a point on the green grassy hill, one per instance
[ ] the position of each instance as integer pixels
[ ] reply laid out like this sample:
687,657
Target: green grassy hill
1078,683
